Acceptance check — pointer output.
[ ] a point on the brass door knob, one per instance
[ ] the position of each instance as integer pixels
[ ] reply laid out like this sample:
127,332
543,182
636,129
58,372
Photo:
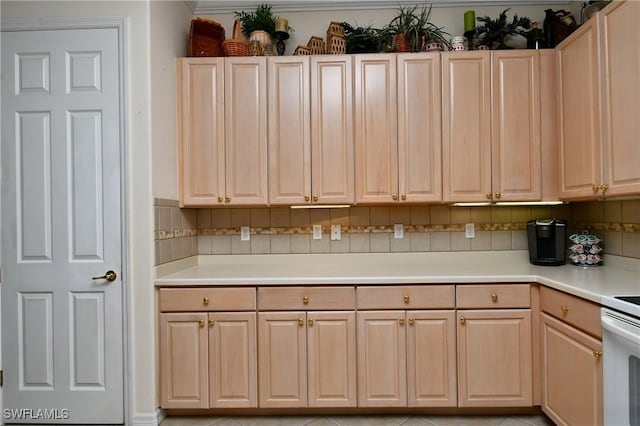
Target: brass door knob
401,321
212,323
497,195
227,199
488,195
315,198
597,354
109,276
220,199
394,197
411,321
300,322
305,300
604,187
407,299
462,320
310,322
494,297
201,323
564,309
596,188
403,197
307,198
205,301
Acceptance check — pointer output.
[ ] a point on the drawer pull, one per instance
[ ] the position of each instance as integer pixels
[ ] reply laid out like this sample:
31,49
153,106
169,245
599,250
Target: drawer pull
305,300
310,322
300,322
212,323
401,321
564,309
201,323
494,297
462,320
205,301
407,299
597,354
410,321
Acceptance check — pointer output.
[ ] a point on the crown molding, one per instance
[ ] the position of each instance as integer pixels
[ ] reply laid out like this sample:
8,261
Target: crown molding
228,6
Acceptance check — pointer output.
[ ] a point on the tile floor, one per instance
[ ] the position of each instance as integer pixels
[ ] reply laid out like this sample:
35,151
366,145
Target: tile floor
381,420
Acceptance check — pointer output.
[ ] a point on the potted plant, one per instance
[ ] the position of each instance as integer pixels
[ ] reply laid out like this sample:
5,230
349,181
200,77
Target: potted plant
366,39
497,33
259,25
412,29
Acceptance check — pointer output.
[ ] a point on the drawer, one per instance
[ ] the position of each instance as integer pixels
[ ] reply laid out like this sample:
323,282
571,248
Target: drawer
305,298
580,313
482,296
207,299
406,297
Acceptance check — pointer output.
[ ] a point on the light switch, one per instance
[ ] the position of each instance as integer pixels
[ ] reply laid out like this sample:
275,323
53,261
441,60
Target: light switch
245,233
317,232
398,231
469,230
336,232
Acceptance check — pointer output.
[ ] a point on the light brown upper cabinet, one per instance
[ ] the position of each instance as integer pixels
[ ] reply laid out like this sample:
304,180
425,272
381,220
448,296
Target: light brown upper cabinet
491,126
397,128
599,98
311,130
223,131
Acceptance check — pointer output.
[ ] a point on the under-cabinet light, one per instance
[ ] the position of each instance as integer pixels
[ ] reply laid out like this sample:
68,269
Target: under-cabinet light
510,203
322,206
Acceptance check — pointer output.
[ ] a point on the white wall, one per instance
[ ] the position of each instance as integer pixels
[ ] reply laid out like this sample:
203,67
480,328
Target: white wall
140,200
169,35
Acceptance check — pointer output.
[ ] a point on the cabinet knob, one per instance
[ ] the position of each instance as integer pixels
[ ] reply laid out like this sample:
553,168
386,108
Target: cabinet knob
604,187
462,320
315,198
488,195
300,322
307,198
596,188
310,322
497,195
407,299
220,199
305,300
201,323
227,199
597,354
564,309
212,323
410,321
401,321
494,297
403,197
394,197
205,301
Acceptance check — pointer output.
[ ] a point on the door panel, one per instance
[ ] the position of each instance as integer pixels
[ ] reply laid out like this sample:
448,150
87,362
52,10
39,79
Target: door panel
62,330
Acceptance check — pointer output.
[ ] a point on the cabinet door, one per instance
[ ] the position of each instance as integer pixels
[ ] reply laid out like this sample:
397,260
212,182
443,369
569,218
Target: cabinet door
579,118
382,368
233,371
494,358
332,167
331,338
419,127
289,130
515,130
621,102
183,361
466,126
376,134
246,130
431,359
571,374
201,131
282,359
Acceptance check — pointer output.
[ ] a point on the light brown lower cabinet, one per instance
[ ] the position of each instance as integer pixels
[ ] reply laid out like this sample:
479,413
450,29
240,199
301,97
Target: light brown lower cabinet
307,359
208,360
571,374
406,358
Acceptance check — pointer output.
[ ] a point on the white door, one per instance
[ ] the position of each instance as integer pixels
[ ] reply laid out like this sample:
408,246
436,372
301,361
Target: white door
62,330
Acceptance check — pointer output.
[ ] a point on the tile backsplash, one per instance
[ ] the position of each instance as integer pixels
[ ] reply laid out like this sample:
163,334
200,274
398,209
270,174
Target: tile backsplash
182,233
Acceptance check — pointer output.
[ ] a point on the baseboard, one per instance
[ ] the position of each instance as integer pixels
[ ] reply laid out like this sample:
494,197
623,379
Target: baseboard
148,419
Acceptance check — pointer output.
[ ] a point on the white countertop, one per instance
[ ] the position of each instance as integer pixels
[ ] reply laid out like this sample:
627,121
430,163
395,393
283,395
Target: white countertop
618,276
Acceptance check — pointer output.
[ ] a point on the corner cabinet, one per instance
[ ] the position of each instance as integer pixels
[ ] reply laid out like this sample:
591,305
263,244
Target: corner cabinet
222,124
599,96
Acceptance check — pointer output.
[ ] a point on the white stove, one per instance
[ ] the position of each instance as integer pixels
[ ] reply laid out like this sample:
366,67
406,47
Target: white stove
629,305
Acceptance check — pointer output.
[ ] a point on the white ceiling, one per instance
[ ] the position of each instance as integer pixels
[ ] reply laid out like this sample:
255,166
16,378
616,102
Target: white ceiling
227,6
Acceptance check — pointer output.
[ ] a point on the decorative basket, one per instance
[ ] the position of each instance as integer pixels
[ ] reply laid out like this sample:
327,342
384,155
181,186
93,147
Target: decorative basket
335,30
302,51
337,46
316,44
236,46
205,38
402,43
261,37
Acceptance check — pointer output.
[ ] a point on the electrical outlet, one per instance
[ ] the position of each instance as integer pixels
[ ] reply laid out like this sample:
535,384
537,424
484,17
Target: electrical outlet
317,232
398,231
469,230
336,232
245,233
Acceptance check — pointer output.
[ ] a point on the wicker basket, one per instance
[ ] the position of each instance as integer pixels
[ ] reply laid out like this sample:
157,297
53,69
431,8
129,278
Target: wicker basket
236,46
316,44
302,51
335,30
205,38
336,46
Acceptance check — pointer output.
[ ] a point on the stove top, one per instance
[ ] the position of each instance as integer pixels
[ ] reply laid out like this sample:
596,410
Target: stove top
631,299
626,304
